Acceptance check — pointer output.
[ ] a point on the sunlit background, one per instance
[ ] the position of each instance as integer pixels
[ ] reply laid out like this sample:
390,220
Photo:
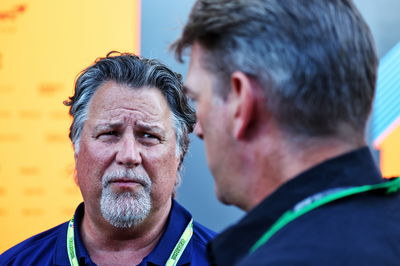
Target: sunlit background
44,44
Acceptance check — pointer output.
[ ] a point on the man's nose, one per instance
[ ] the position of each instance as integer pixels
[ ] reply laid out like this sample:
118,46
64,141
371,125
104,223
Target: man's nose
129,152
198,130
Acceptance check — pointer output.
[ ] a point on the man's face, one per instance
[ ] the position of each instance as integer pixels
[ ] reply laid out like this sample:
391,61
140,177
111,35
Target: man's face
211,121
127,163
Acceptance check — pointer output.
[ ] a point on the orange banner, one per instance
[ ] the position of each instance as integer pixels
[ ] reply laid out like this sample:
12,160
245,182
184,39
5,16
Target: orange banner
43,46
390,154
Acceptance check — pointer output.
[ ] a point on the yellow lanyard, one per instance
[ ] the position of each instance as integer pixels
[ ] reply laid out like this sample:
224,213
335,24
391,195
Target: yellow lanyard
172,260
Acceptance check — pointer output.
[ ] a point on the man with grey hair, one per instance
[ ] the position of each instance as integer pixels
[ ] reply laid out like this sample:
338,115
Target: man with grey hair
284,89
130,129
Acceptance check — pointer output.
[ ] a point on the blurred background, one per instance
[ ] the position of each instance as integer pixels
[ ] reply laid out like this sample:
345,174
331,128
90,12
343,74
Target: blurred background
44,44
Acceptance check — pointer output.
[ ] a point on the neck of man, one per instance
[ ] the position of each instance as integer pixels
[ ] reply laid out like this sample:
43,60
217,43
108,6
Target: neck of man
275,159
109,245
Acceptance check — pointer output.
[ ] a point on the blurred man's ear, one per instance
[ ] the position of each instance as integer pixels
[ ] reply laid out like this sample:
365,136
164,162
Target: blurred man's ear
243,101
75,173
76,177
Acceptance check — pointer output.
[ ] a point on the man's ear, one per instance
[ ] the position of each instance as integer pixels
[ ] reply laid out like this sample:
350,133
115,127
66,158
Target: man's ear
75,173
243,101
76,178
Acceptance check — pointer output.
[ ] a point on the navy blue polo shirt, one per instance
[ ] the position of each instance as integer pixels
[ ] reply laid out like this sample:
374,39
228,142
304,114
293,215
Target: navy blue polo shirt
50,247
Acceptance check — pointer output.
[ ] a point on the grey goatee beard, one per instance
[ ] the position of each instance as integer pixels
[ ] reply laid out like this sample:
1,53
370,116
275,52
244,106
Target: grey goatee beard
126,209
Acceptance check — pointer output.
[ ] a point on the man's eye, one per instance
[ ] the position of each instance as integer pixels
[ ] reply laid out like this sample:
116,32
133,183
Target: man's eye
149,139
149,136
108,134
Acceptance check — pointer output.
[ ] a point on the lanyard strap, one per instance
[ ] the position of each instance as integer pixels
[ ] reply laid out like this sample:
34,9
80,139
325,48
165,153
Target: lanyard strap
181,245
172,260
71,243
390,187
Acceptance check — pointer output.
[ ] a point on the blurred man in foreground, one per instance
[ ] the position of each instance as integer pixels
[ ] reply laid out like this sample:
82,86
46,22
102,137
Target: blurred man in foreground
130,130
284,89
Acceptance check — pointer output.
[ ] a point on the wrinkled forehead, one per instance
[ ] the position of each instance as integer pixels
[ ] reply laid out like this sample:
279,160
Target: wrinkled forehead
124,104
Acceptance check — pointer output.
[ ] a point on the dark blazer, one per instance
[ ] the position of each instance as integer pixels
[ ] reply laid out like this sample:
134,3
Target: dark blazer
363,229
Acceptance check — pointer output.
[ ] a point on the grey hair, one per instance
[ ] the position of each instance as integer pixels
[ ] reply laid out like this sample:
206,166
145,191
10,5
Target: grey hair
315,60
135,72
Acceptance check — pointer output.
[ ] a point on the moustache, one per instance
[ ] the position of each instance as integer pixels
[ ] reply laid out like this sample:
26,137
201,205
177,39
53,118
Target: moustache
128,175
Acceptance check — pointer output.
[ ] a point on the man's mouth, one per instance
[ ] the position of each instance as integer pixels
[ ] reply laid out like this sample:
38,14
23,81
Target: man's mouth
124,182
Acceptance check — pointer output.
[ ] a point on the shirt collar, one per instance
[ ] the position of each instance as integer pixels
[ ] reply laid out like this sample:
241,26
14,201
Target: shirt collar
177,221
81,252
61,256
354,168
